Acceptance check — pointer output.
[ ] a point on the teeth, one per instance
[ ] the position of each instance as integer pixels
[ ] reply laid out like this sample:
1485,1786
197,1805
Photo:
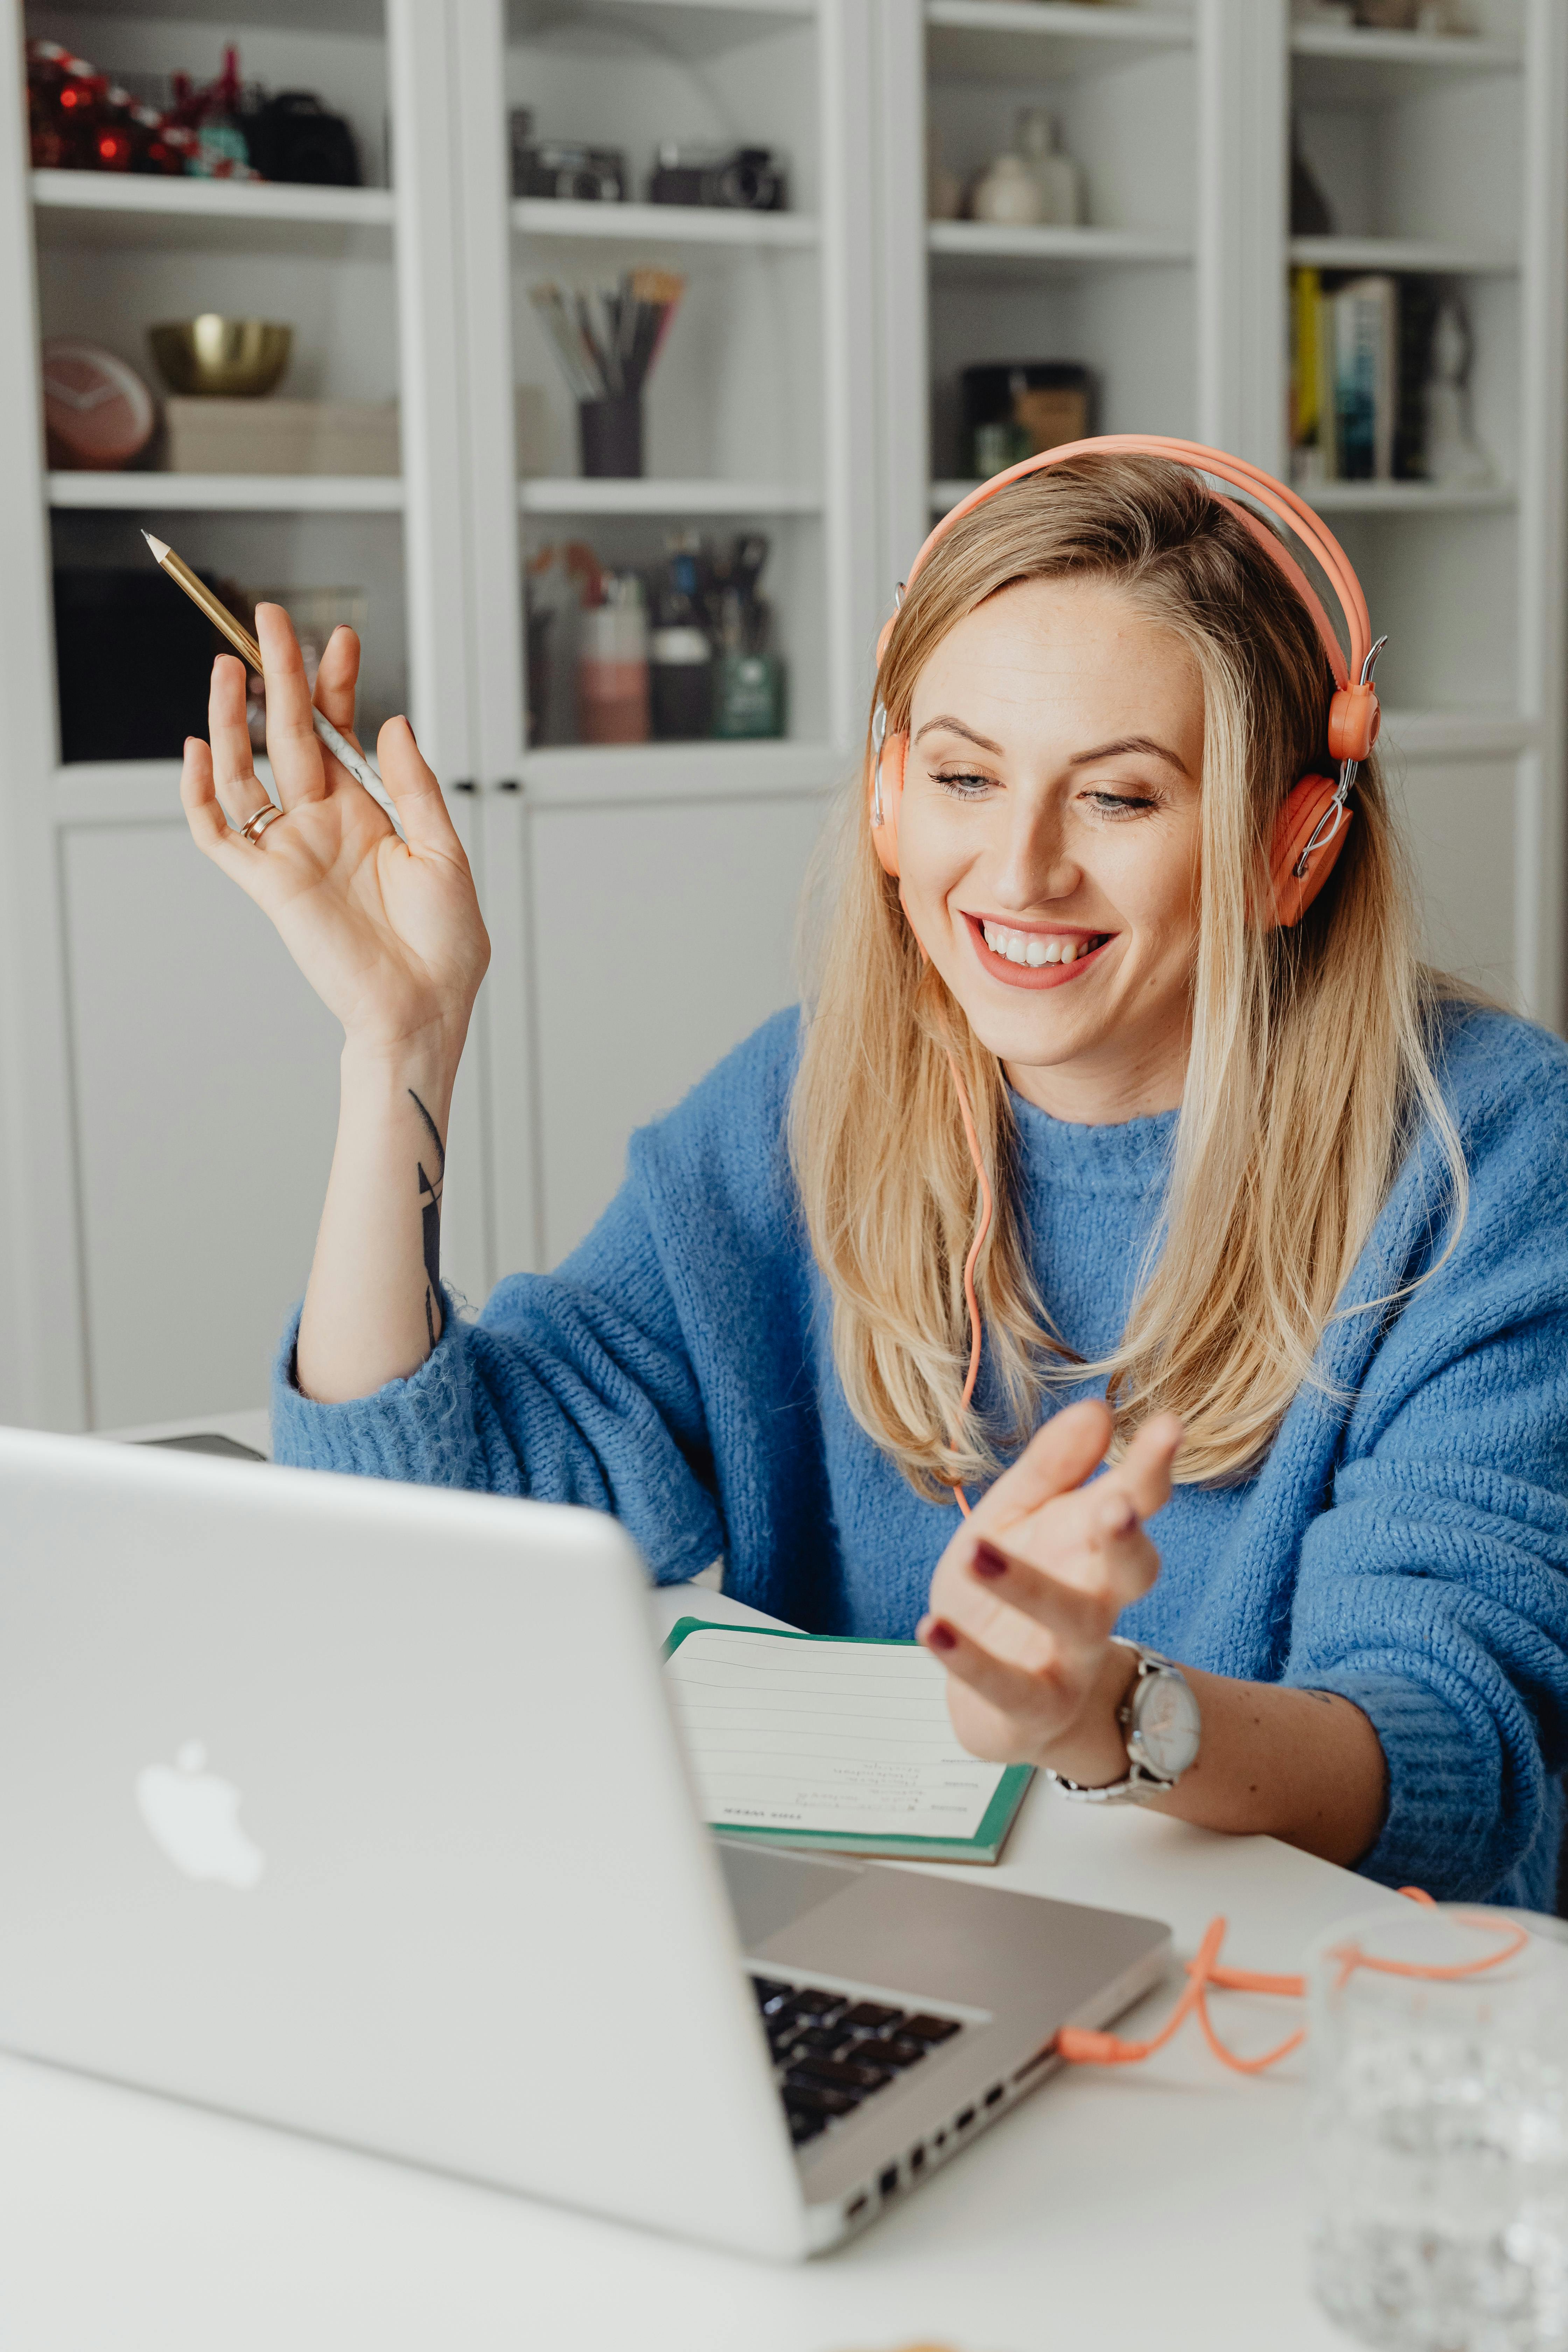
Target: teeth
1031,948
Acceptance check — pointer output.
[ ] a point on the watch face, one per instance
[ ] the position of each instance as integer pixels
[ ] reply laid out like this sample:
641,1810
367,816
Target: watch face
1166,1724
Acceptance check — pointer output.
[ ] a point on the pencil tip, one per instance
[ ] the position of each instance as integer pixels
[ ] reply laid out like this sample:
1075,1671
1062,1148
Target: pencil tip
160,547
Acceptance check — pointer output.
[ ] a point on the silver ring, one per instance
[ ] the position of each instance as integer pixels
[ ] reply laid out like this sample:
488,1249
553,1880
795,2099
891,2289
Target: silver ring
253,827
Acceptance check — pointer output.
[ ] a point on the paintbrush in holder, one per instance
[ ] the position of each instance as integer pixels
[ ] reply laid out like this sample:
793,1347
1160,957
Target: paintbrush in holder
607,340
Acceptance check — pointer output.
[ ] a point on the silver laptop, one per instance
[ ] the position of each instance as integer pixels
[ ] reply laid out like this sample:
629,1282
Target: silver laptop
359,1808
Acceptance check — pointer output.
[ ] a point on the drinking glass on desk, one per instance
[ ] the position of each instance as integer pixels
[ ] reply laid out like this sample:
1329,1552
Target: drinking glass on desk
1439,2130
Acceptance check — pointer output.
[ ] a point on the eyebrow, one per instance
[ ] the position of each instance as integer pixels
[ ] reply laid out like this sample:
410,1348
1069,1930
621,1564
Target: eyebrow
1127,743
1143,744
957,727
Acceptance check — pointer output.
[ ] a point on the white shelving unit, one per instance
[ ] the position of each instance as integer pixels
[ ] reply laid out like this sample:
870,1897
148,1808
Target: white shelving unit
1407,254
167,1083
759,414
93,208
1440,155
573,495
1357,63
676,227
226,493
1082,248
1446,156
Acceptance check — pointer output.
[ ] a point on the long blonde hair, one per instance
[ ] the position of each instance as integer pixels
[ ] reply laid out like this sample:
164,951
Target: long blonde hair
1310,1074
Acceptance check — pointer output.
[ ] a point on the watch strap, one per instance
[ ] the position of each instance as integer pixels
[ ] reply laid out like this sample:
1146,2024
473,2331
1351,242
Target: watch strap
1138,1783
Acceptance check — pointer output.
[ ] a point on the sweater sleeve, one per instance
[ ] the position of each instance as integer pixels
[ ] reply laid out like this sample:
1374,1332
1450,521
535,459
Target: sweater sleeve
1434,1591
571,1388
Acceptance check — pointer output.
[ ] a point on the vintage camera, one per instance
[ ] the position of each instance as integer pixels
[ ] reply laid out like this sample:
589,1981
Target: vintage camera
743,179
563,168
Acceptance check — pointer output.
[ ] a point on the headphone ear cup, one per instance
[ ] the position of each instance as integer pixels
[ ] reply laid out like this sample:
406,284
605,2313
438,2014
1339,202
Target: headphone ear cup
885,837
1354,722
1300,818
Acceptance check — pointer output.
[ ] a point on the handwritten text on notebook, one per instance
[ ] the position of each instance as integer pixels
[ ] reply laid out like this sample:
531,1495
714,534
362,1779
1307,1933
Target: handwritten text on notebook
852,1737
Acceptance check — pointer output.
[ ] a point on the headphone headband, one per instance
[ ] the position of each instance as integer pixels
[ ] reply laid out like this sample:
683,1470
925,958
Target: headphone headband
1276,496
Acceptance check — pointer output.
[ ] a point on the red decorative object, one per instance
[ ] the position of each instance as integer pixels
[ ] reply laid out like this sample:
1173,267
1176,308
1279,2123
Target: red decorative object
79,121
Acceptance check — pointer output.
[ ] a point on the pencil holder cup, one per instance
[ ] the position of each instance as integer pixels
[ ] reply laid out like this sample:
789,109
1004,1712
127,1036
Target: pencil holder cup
610,432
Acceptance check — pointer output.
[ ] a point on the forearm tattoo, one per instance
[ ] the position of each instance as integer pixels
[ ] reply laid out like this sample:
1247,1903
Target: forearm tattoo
430,1205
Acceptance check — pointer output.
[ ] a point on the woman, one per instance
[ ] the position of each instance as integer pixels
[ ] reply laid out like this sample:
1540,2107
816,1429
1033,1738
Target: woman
1277,1218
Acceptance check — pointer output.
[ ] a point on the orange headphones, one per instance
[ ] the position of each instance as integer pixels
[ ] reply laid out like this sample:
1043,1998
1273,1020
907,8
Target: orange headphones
1314,821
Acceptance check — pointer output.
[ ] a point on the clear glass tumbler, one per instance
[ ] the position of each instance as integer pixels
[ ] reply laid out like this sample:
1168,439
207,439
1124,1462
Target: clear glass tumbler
1439,2128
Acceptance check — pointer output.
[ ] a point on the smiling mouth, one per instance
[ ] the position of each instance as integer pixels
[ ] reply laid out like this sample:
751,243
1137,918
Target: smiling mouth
1031,959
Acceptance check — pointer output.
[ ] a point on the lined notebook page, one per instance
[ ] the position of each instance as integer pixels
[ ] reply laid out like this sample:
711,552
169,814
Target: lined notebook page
850,1736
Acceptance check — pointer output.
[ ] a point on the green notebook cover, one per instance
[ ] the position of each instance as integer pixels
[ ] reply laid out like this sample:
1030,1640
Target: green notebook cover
985,1844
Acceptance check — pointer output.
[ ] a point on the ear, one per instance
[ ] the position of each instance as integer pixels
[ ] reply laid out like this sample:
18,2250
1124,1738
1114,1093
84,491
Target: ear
888,801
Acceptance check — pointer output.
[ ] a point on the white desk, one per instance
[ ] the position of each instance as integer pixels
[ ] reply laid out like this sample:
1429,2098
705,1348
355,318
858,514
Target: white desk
1162,2203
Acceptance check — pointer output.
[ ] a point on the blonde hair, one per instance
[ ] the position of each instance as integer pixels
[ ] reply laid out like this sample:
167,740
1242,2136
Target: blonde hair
1311,1070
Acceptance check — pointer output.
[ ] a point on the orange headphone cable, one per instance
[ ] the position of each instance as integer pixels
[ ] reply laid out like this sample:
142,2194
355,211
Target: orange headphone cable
1082,2047
975,1246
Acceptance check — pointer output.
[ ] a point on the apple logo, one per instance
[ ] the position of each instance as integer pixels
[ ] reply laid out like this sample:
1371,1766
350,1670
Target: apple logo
194,1816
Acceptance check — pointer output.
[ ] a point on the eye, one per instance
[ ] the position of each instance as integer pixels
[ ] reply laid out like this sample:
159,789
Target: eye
1121,804
962,784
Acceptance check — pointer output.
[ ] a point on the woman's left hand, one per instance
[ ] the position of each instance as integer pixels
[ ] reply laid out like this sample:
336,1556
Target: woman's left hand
1026,1595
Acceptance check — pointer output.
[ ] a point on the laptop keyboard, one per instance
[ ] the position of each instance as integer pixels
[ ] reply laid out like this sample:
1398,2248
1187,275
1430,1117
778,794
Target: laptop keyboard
832,2052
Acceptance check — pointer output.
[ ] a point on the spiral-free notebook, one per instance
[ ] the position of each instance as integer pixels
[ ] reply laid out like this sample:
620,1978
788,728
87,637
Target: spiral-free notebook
811,1740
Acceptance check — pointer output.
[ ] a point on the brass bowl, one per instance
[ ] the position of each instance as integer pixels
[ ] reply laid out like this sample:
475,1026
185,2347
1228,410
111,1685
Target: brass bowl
241,357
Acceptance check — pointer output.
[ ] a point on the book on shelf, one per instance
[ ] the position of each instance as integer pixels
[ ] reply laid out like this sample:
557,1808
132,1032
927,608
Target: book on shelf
1359,361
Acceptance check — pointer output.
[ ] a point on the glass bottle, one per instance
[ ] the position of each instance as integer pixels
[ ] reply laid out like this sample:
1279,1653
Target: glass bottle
613,665
681,657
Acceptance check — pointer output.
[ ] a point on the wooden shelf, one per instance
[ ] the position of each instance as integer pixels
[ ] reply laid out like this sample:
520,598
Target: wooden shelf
980,246
574,496
1411,254
103,208
1043,40
543,217
1348,67
1409,498
152,493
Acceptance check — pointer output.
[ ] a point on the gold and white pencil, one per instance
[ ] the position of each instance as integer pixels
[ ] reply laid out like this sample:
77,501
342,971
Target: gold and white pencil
359,765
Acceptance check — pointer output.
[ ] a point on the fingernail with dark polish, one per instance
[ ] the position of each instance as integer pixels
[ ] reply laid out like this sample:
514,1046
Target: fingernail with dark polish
940,1636
988,1560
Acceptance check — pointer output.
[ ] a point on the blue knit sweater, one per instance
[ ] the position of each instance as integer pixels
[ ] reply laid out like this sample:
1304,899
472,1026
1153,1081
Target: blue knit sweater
1409,1552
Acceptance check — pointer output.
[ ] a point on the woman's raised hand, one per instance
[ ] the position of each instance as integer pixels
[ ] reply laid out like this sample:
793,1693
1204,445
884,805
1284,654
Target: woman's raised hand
387,932
1026,1595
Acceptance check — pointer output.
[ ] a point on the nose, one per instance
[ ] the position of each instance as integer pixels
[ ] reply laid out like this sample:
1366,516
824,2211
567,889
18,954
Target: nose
1037,867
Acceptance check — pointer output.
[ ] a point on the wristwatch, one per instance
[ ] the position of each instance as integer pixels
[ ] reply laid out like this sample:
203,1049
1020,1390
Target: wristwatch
1162,1725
